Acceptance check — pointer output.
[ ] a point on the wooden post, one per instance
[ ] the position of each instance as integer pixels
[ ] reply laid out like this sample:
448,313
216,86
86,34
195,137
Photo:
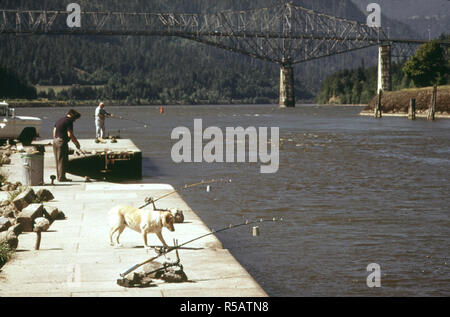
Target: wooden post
38,238
412,109
377,112
432,108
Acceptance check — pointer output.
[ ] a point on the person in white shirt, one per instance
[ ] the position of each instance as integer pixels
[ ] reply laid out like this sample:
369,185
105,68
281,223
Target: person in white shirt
100,116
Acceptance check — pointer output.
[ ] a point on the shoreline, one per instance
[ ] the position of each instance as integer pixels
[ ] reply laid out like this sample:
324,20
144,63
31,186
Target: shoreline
398,102
421,115
113,103
342,105
19,103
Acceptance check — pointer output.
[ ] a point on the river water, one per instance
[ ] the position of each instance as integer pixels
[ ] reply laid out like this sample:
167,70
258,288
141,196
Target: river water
352,191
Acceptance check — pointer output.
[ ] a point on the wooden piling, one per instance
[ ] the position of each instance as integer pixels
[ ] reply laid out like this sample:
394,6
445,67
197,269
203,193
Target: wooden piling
412,109
377,112
432,108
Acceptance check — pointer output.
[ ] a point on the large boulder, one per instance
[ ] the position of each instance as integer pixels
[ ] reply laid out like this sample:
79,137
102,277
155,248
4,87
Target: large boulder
51,214
24,199
4,224
44,195
10,236
8,211
16,228
60,216
7,187
28,215
5,160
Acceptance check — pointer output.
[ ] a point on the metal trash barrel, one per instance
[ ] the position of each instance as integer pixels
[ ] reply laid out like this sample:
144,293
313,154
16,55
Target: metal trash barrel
33,169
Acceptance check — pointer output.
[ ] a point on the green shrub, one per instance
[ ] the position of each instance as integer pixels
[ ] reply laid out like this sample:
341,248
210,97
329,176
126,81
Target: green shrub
13,194
3,177
5,253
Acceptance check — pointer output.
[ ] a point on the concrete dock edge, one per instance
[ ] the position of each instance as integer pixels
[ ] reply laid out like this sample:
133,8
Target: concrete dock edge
75,258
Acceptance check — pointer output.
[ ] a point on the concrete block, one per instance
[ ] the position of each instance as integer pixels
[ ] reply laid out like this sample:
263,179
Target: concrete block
8,211
28,215
10,238
5,160
51,214
60,216
44,195
24,199
16,228
4,224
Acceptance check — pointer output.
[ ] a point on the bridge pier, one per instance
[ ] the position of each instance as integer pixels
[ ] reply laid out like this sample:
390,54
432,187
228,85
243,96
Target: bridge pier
287,93
384,68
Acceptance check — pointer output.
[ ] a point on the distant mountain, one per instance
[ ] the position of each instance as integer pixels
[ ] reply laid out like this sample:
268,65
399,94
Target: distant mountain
428,18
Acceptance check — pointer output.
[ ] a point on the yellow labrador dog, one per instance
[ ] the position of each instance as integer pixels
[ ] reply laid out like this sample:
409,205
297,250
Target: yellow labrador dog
143,221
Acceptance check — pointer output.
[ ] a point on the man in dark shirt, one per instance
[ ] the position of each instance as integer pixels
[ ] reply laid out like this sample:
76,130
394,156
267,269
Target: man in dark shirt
62,134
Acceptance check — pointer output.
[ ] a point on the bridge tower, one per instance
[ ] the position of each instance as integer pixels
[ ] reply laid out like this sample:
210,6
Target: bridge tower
384,68
287,93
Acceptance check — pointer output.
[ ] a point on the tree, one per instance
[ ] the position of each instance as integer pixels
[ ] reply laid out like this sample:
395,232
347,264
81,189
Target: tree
13,86
428,66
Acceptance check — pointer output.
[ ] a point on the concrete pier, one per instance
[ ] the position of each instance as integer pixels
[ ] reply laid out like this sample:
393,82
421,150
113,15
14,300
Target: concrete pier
384,68
75,258
114,159
287,93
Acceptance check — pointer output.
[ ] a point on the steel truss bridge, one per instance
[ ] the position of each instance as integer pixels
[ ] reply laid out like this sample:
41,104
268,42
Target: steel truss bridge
285,34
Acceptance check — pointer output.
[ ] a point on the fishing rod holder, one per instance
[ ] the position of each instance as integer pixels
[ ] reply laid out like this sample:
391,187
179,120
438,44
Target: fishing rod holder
149,200
177,246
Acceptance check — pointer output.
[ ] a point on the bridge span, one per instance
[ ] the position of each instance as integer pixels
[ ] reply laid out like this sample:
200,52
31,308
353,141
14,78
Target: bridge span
284,34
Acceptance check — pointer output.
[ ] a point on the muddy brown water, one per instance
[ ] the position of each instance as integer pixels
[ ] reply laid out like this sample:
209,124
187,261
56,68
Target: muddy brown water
352,191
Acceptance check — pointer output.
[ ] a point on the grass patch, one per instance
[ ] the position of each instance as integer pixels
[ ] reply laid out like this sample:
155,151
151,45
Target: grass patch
58,88
3,177
13,194
442,87
398,101
5,253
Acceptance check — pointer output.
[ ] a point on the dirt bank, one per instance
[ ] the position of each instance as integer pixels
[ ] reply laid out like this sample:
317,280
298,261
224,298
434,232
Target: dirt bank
398,101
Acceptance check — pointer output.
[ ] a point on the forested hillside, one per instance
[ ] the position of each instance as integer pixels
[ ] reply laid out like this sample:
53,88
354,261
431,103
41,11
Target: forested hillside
358,86
155,69
430,65
12,86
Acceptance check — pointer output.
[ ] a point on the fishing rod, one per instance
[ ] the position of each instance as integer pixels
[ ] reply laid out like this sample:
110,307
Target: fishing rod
170,249
150,200
112,116
127,119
